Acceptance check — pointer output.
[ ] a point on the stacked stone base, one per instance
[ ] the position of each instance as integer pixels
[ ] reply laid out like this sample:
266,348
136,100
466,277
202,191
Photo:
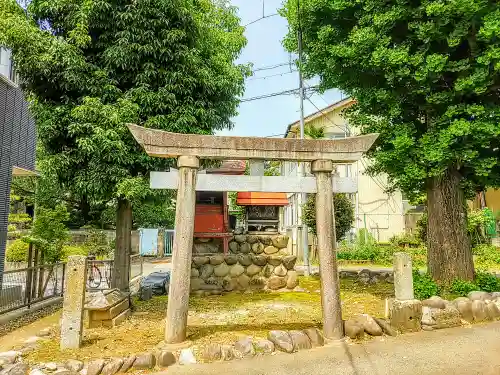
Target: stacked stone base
256,262
216,274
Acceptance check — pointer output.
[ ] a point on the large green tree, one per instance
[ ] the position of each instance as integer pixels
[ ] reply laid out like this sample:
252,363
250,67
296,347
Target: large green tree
91,66
425,75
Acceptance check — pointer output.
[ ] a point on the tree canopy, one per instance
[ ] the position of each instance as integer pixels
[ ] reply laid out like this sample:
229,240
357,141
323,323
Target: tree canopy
92,66
425,75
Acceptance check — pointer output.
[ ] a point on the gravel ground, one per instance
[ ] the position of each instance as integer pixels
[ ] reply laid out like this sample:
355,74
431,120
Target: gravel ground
28,318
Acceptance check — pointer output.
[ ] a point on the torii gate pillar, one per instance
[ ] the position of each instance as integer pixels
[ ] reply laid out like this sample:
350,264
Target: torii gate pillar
178,295
325,229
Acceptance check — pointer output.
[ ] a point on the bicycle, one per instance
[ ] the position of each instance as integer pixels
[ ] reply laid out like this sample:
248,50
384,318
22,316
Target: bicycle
94,276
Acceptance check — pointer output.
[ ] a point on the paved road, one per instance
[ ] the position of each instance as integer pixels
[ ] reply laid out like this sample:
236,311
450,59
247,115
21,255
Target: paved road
457,351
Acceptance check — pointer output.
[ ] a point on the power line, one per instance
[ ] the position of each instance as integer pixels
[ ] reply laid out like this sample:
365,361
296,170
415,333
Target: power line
346,128
272,75
260,19
285,92
270,67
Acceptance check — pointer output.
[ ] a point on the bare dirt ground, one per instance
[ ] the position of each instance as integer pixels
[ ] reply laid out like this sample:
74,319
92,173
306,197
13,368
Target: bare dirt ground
221,319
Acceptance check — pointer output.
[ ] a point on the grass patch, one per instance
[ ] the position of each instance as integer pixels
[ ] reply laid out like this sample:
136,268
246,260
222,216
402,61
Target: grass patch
221,319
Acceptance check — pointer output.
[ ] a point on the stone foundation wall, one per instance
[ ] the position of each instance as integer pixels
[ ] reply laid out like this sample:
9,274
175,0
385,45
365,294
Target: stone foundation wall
255,262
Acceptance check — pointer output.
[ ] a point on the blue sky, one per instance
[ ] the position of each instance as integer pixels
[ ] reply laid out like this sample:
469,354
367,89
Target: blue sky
270,116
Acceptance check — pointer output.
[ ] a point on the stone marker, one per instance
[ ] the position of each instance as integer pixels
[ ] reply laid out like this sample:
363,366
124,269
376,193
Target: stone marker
74,299
406,316
403,278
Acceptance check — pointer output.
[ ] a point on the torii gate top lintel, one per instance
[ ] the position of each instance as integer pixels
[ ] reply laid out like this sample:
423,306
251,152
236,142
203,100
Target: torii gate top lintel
164,144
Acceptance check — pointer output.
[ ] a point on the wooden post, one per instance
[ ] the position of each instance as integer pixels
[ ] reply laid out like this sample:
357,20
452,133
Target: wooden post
325,226
177,309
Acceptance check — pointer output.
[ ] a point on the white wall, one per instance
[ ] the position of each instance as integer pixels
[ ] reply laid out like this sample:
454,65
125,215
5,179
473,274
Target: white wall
381,213
5,63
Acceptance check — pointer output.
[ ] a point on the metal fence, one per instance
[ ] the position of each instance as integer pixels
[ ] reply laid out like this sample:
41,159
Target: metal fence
100,272
135,266
169,241
24,287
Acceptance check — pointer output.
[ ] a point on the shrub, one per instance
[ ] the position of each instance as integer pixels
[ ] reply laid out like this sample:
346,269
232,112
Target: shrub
486,281
363,248
424,286
73,250
97,243
20,220
344,214
17,251
462,288
11,228
422,228
405,239
486,255
50,232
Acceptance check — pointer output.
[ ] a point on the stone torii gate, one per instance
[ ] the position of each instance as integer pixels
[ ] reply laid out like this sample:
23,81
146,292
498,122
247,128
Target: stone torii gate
189,149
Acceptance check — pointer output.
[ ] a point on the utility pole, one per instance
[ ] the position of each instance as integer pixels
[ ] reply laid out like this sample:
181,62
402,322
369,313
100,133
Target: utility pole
305,239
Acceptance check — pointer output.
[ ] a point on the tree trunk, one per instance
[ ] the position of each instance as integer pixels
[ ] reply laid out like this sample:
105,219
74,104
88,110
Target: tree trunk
121,268
448,243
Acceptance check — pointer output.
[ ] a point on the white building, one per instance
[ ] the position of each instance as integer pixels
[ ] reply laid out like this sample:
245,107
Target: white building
382,214
6,67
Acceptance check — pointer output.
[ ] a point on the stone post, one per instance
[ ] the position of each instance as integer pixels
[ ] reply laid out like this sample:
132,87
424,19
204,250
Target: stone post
406,312
74,299
403,277
325,228
178,298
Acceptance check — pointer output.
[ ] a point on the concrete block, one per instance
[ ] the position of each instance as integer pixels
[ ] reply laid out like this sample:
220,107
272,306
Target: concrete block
110,323
111,312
